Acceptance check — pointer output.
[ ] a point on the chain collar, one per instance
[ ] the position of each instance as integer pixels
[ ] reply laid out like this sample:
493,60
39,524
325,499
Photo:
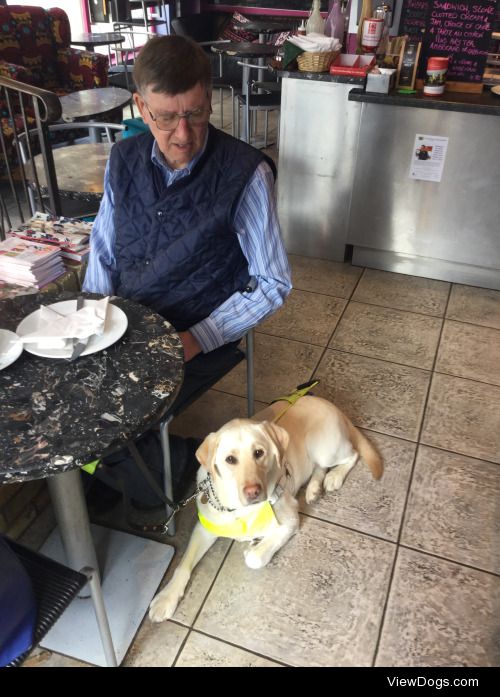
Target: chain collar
206,486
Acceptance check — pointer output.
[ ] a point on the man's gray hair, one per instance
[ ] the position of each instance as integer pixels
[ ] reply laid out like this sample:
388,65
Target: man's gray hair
172,65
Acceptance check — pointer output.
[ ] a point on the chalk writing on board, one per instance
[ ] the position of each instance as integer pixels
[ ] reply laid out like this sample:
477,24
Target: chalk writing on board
454,28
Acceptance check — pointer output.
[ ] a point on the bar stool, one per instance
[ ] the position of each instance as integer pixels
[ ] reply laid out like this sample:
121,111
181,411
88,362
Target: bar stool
269,99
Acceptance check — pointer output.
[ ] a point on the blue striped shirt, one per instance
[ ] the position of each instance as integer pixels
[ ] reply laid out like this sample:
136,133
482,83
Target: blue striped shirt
257,228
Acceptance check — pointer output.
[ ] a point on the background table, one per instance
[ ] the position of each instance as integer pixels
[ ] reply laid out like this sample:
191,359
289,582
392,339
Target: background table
80,172
57,416
90,41
85,105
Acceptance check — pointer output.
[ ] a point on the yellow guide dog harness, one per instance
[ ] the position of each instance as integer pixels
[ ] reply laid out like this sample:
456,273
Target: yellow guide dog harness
258,518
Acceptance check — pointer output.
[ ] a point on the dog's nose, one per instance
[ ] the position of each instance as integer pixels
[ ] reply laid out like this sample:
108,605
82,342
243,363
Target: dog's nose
252,491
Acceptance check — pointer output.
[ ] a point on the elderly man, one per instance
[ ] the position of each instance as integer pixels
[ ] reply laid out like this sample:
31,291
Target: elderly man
188,224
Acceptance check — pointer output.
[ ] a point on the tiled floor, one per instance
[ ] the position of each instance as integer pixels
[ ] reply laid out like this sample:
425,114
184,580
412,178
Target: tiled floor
399,572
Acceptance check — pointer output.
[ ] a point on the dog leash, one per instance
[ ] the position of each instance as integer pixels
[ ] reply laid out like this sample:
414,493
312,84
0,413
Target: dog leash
300,391
162,528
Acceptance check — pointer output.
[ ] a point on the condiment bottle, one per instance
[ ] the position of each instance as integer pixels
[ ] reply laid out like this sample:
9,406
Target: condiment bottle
366,13
436,75
315,22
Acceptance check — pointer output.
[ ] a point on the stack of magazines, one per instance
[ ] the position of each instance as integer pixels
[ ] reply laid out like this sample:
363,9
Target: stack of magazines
26,263
70,235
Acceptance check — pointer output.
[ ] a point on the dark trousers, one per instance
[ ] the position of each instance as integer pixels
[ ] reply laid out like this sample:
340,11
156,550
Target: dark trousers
120,469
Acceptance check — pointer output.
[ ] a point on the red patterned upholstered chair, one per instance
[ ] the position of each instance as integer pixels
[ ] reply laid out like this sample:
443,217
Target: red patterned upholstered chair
37,42
35,49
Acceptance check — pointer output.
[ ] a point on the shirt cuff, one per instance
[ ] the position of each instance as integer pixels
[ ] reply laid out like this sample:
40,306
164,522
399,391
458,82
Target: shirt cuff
207,335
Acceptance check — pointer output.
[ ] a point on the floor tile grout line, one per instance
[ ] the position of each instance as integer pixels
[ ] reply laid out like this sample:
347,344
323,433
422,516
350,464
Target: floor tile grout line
434,555
397,309
309,343
348,527
191,626
456,452
323,353
385,606
469,379
407,496
408,490
237,646
472,324
400,309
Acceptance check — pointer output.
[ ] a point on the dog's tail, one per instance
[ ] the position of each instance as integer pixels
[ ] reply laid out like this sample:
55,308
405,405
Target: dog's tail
366,450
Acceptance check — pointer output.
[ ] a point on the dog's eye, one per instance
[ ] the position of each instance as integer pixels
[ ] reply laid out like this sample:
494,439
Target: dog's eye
258,453
231,460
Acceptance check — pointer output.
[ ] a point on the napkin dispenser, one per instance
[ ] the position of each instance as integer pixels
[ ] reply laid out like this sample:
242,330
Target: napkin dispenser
382,81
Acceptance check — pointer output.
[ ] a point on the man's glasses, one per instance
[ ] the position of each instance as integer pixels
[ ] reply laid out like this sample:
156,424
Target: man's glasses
169,122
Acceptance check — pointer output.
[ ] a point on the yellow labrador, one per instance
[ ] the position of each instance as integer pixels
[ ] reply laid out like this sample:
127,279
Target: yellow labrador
251,471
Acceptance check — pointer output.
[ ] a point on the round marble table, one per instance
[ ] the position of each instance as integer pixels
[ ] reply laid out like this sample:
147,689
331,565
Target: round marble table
80,171
57,416
87,104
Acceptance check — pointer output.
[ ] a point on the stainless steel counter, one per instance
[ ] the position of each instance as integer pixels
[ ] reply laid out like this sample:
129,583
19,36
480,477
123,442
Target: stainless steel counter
446,230
318,135
344,179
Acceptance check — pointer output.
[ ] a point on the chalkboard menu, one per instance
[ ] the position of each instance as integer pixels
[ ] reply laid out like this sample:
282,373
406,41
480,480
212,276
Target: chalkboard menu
454,28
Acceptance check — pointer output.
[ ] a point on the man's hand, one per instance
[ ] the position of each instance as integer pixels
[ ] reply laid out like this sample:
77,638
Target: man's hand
190,345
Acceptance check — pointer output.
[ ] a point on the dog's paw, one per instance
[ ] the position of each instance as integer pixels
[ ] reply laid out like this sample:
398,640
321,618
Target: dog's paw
253,559
163,606
334,480
313,491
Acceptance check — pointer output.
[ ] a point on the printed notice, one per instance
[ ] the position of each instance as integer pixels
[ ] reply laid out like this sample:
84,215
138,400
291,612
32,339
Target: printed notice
427,158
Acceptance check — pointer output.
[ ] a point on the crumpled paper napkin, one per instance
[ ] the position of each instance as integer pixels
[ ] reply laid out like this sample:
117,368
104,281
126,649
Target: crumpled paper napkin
315,43
55,330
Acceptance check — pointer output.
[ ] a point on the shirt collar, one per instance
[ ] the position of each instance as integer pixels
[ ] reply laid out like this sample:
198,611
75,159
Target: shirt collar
158,159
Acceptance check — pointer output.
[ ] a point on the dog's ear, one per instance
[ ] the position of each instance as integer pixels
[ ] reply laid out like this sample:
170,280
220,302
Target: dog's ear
279,438
206,452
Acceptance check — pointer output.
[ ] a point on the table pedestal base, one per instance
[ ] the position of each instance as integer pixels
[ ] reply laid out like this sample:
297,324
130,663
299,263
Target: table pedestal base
131,571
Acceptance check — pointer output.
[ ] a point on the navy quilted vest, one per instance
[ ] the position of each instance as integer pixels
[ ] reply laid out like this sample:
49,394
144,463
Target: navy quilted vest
176,248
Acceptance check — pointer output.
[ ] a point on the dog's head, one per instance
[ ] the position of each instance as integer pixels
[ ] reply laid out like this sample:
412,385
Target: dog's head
242,457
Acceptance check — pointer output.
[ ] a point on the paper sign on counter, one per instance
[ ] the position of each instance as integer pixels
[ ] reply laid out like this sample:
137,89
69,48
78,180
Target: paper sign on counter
427,158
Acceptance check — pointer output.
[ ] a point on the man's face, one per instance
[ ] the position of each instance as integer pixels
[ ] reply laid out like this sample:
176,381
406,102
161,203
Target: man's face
180,145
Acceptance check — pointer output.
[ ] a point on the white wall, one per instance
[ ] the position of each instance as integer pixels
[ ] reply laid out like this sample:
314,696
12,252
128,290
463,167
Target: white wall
71,7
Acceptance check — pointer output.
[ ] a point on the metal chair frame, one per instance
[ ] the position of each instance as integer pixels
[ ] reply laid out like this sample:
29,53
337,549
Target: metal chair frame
268,101
31,139
55,586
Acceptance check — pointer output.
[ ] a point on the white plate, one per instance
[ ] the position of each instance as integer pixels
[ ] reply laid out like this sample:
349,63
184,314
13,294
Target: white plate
496,90
115,327
11,348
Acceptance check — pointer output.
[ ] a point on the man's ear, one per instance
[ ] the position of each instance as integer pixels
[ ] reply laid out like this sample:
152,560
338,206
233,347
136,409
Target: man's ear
278,437
206,452
139,102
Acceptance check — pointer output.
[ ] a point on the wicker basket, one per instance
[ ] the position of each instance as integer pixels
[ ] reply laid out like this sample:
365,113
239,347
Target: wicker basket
309,62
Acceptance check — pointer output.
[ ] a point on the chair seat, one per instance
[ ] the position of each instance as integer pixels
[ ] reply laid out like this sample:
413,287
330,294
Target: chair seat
267,86
226,82
262,101
222,361
54,587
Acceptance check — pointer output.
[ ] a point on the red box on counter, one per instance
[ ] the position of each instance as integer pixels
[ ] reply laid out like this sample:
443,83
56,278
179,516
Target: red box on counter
352,64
